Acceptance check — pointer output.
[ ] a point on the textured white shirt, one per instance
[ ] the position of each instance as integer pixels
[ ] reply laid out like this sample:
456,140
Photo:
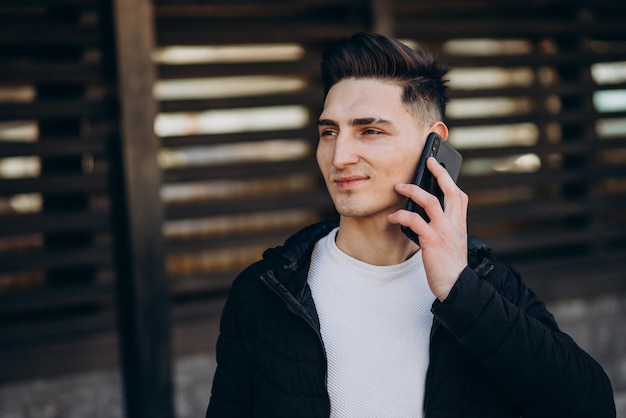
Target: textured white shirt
375,323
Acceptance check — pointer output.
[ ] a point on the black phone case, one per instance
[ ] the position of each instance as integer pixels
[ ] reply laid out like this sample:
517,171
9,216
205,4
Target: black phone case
447,156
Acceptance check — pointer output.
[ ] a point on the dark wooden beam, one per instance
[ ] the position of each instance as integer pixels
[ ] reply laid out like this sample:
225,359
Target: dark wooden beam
143,311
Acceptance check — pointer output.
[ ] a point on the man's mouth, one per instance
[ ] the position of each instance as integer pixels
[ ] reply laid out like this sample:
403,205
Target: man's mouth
349,182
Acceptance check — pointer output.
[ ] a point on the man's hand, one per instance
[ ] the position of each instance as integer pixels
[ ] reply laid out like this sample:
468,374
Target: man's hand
444,239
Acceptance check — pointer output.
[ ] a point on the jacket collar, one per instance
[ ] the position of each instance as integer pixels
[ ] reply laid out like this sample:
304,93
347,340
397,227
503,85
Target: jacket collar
295,253
294,256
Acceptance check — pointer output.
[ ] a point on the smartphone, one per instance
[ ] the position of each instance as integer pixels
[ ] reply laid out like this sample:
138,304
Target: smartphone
448,157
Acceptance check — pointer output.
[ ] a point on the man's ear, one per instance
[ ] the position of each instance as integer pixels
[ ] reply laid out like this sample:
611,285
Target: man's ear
440,128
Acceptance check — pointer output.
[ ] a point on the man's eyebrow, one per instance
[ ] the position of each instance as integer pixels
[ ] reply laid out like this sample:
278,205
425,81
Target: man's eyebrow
327,122
354,122
369,121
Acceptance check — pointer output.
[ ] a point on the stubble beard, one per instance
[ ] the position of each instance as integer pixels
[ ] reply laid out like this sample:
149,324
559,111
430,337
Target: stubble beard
348,205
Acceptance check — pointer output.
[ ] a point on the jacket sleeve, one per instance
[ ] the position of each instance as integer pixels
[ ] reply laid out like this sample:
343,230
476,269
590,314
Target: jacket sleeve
516,339
231,393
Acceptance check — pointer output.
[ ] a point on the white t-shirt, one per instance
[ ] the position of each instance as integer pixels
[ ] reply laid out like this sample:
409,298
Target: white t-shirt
375,323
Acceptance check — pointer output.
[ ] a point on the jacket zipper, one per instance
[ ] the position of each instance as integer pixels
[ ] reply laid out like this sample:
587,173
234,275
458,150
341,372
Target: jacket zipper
296,308
433,330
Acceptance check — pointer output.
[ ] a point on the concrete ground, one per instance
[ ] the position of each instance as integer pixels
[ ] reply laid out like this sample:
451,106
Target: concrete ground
98,394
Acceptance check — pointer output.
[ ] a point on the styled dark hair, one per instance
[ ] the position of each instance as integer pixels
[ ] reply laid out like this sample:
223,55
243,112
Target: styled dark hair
367,55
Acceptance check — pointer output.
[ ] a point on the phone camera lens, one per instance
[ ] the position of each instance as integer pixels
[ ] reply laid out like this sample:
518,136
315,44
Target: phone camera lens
435,146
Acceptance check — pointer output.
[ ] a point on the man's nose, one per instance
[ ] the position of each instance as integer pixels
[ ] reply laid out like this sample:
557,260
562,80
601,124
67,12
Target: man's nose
346,151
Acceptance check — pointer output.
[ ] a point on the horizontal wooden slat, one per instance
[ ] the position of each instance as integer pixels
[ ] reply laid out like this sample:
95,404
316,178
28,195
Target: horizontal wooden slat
26,5
54,184
310,200
50,72
51,328
578,116
540,178
496,6
230,138
57,109
251,238
587,145
211,286
247,4
55,258
246,171
461,27
53,222
302,68
577,58
300,98
519,179
41,360
53,147
536,240
536,91
272,9
569,277
198,32
535,211
25,33
50,299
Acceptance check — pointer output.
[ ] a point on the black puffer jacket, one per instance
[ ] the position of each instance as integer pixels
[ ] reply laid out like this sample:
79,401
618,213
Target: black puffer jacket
495,349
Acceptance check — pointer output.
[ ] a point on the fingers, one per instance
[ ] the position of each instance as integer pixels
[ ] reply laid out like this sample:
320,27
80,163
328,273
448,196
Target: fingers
443,241
455,200
405,217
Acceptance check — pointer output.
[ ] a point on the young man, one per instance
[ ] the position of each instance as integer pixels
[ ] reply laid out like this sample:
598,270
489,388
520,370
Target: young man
356,320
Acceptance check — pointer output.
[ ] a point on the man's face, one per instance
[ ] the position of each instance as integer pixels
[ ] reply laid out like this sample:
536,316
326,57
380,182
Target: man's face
368,143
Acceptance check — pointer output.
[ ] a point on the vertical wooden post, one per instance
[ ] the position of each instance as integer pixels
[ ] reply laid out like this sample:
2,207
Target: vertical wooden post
142,284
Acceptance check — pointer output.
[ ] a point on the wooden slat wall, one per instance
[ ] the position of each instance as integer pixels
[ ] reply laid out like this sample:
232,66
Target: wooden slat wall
222,213
228,192
548,189
59,110
58,118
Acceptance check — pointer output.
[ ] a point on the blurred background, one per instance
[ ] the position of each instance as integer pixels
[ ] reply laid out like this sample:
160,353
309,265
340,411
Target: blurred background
151,149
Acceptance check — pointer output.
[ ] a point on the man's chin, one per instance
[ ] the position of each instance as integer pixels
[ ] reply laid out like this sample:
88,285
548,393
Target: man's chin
356,211
352,213
361,211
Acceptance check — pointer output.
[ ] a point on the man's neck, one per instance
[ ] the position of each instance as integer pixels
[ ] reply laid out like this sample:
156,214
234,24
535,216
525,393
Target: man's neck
375,242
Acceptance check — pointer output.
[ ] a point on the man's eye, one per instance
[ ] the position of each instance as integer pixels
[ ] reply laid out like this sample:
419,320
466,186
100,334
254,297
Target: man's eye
328,132
371,132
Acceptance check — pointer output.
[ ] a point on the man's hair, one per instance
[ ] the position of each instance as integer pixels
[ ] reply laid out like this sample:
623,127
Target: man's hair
367,55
